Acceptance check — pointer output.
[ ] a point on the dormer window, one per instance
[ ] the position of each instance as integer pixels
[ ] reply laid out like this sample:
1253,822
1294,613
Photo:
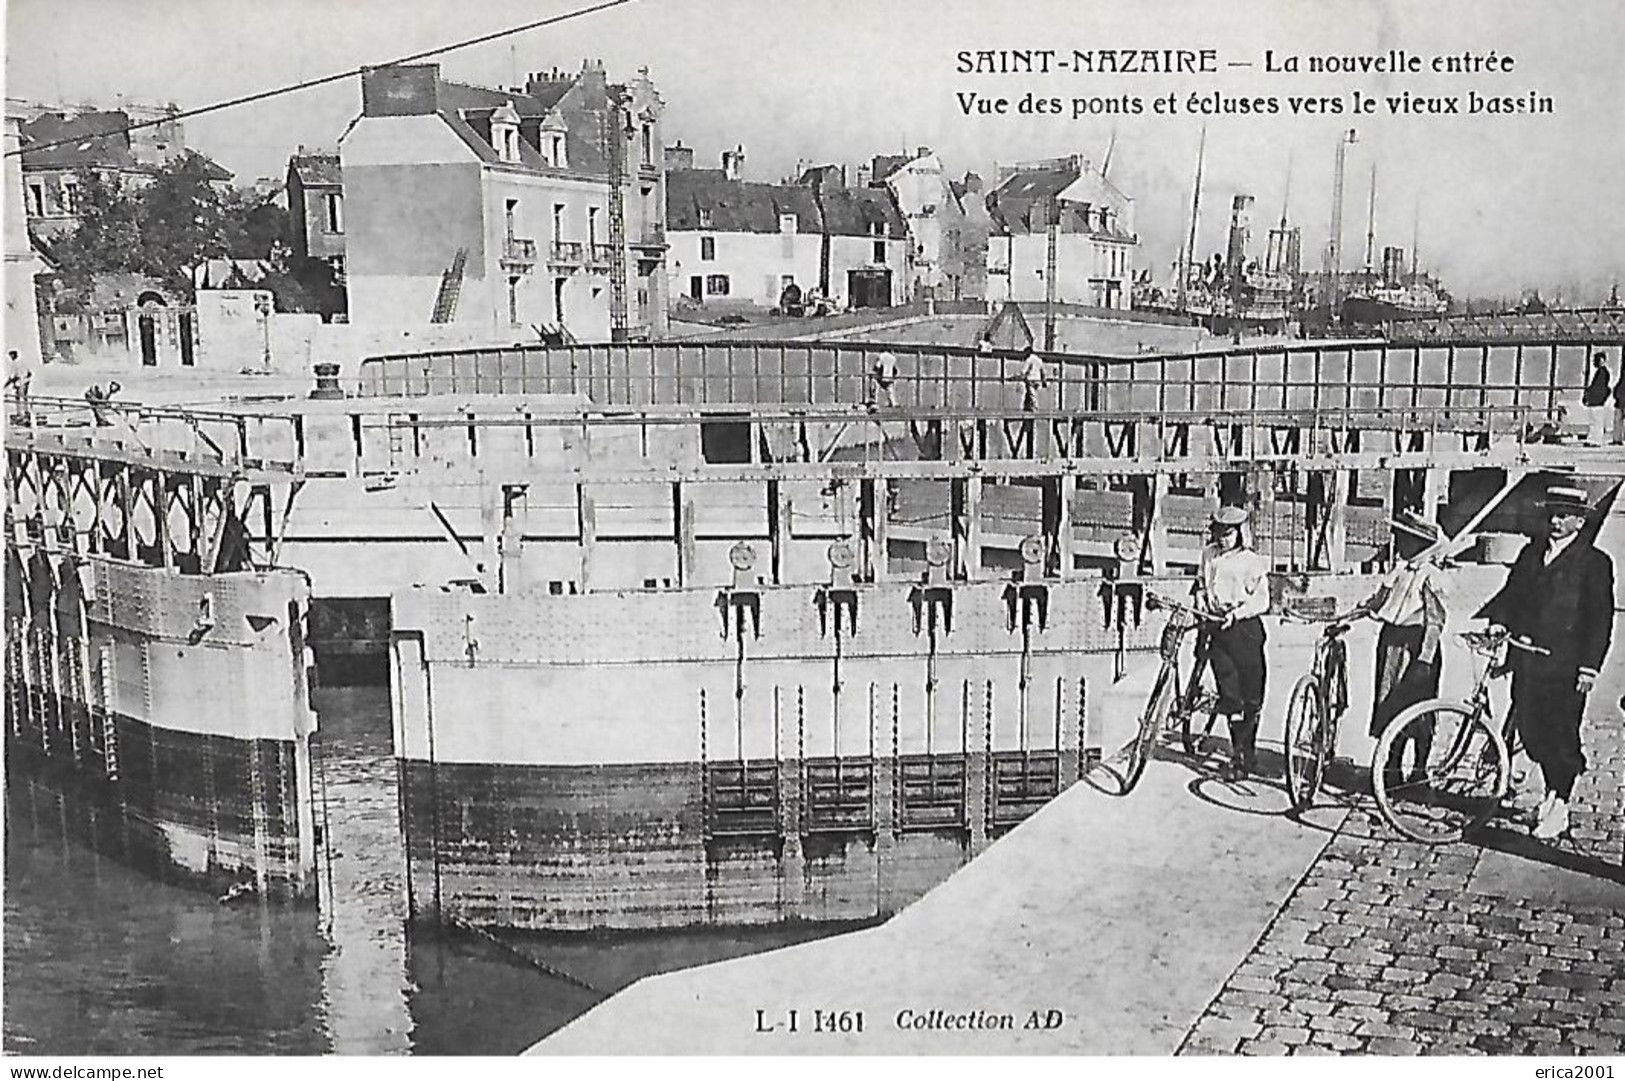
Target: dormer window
505,133
787,223
552,145
705,219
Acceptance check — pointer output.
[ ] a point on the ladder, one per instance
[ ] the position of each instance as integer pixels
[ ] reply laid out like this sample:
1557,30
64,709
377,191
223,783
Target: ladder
616,139
451,287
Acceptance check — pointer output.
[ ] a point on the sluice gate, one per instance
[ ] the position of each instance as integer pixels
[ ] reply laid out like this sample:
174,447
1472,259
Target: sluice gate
155,652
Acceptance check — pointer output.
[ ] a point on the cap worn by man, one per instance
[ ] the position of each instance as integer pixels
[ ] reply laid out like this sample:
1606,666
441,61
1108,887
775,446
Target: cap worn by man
1567,501
1229,517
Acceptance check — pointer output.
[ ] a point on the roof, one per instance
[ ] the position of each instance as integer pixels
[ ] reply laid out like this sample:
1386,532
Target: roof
536,100
885,165
856,211
316,169
92,140
734,206
1020,203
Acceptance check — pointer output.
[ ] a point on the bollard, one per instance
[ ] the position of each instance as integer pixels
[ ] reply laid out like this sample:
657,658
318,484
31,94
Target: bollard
327,382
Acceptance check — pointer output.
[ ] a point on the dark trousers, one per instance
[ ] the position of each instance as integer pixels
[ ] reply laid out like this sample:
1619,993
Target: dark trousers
1402,678
1236,653
1546,711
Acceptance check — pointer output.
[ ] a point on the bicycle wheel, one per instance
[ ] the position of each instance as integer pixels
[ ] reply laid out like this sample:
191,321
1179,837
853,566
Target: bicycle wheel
1439,771
1151,722
1305,742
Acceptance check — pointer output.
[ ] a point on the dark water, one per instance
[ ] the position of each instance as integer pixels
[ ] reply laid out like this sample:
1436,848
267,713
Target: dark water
100,959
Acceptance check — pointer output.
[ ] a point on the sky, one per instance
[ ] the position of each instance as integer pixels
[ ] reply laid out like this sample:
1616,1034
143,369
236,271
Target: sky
1504,203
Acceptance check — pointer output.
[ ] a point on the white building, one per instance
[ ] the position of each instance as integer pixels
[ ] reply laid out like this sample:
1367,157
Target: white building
503,198
736,242
1095,239
22,262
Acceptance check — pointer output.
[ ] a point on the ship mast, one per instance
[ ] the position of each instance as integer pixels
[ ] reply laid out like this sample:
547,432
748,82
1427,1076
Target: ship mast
1334,246
1371,222
1189,252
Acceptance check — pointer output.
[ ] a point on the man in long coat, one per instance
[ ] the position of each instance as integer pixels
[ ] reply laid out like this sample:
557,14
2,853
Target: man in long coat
1558,596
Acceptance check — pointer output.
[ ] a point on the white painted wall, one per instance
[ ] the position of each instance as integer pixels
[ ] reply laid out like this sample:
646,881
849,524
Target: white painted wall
1016,266
755,263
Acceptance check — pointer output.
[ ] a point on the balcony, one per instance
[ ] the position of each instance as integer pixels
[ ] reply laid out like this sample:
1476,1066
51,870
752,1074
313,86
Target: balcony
600,255
519,253
653,236
567,253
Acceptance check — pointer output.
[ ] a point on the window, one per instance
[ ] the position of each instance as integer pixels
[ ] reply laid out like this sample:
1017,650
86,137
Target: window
509,208
333,209
705,219
36,199
787,223
70,195
558,300
708,248
592,225
717,285
555,150
337,263
880,251
513,301
558,222
648,144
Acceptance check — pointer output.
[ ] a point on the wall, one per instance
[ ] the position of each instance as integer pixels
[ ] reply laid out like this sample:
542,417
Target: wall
195,736
413,197
234,329
858,252
1017,263
751,261
22,309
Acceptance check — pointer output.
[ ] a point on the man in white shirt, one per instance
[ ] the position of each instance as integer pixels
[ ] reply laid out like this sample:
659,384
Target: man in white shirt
883,376
1410,605
1233,586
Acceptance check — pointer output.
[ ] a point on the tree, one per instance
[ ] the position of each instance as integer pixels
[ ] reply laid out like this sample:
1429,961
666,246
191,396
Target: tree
185,220
107,238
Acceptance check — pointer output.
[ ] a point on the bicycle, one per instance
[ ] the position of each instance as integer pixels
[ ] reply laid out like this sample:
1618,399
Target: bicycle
1314,712
1168,700
1459,769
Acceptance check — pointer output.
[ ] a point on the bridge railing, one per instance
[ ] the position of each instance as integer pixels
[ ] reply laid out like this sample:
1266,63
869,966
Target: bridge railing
233,440
1601,326
1311,375
667,442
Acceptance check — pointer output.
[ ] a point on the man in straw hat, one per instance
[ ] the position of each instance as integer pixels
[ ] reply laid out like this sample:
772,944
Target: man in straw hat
1233,586
1410,606
1559,596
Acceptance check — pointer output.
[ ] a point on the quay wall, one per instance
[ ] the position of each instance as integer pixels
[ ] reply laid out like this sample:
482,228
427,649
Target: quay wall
177,703
623,760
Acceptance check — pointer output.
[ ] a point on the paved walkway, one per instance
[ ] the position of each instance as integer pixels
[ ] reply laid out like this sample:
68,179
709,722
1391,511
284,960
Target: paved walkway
1119,913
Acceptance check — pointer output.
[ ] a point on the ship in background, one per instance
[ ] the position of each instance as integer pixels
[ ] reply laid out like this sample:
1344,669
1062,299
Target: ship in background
1233,293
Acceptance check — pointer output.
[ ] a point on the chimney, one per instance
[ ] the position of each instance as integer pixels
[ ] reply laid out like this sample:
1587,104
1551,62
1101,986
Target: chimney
973,183
733,162
865,172
679,156
922,152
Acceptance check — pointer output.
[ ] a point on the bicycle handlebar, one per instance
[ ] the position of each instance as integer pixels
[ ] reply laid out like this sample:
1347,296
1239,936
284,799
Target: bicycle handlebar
1156,600
1485,642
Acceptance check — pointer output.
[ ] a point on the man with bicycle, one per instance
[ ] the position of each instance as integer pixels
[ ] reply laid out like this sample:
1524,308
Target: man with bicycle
1232,586
1559,596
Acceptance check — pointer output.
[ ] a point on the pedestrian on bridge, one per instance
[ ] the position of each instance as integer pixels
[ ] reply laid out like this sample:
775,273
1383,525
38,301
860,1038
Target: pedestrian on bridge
1596,401
1232,586
1558,596
882,380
